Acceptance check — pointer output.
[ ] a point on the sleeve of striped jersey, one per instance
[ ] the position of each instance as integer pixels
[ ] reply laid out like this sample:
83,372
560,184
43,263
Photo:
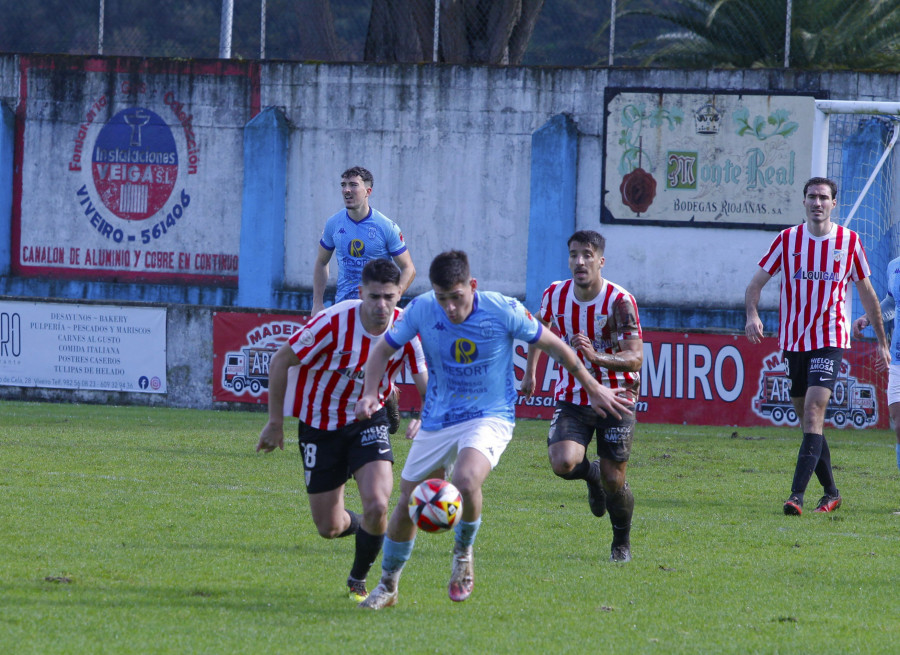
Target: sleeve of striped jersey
546,311
313,338
627,320
414,356
860,262
771,261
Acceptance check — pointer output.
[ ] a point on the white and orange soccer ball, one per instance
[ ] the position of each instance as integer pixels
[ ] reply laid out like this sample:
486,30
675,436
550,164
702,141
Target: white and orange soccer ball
435,505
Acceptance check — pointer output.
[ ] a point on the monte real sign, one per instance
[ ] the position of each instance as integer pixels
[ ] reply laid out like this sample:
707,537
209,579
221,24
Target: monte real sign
721,159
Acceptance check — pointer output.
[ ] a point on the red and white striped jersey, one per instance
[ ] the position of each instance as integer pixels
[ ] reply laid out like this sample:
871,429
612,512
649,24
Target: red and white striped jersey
606,320
333,348
815,272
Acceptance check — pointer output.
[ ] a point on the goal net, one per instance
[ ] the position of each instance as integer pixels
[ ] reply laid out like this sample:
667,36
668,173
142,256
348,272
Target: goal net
860,156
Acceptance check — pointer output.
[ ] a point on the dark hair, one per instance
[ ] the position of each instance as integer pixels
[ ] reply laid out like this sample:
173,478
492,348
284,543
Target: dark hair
594,239
383,271
354,171
821,180
449,269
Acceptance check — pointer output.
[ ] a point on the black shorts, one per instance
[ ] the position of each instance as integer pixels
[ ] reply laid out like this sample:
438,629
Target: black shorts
578,423
812,368
330,457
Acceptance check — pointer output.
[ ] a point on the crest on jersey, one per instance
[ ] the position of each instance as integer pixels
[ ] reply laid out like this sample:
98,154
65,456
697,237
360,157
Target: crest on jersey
600,322
306,338
838,254
487,329
372,233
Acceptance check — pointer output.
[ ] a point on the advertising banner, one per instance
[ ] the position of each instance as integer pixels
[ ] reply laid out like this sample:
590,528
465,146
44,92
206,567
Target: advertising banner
686,378
94,347
125,171
719,158
715,379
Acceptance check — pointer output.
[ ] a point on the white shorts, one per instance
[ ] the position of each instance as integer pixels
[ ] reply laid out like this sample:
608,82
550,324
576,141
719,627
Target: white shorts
893,388
439,448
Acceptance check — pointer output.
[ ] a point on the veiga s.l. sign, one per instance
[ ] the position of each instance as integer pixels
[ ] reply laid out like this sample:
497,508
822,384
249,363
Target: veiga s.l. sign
122,187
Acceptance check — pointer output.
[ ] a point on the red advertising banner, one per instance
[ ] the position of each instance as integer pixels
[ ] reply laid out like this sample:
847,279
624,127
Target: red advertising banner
715,379
687,378
243,344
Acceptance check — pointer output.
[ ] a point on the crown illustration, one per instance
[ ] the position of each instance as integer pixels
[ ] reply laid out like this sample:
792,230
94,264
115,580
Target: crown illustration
706,120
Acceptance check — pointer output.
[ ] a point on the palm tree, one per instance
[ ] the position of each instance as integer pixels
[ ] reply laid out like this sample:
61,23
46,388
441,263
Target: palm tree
825,34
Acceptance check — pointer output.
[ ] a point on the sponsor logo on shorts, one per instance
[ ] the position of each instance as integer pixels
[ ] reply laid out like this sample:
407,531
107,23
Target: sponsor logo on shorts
616,434
821,365
374,434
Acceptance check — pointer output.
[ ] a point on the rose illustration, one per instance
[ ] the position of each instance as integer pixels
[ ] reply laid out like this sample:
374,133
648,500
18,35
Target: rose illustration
638,190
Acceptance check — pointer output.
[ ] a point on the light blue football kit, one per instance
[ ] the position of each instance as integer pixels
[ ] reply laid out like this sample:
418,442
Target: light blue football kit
470,365
355,244
893,272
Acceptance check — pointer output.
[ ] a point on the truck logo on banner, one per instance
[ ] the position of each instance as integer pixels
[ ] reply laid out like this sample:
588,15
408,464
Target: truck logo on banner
243,346
851,401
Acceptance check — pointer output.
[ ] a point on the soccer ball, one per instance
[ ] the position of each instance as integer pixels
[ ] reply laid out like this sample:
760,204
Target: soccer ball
435,505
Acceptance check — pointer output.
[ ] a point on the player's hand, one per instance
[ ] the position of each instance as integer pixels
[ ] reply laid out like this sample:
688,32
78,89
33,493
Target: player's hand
526,388
882,358
366,406
582,344
271,437
608,402
859,325
412,428
754,330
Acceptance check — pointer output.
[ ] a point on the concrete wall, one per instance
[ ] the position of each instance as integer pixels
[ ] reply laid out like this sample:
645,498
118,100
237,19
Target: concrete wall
450,148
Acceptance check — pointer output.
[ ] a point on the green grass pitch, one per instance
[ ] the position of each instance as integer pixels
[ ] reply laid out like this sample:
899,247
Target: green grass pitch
139,530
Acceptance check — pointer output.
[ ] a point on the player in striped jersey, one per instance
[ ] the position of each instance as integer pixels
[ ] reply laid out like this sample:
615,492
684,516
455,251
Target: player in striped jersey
599,320
329,355
817,260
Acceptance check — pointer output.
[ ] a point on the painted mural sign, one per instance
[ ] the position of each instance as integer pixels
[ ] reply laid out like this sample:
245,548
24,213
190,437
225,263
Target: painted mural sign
95,347
715,158
140,180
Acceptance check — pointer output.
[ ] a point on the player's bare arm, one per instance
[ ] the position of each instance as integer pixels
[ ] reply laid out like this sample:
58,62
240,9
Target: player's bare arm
320,279
630,357
603,399
754,327
376,365
888,309
869,300
407,270
272,435
531,361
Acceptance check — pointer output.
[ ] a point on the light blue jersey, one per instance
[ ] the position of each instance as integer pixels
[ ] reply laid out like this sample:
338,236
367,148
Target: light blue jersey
893,272
470,365
374,237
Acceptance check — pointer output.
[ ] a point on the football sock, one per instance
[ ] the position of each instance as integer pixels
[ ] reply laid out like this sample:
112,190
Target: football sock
898,455
807,460
824,472
367,548
395,555
466,531
581,471
620,506
354,524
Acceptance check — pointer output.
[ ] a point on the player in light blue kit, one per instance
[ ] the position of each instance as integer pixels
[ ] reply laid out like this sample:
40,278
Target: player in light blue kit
357,234
469,410
889,306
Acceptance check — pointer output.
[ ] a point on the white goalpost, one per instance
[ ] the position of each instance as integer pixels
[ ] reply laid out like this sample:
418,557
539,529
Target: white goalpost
855,144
